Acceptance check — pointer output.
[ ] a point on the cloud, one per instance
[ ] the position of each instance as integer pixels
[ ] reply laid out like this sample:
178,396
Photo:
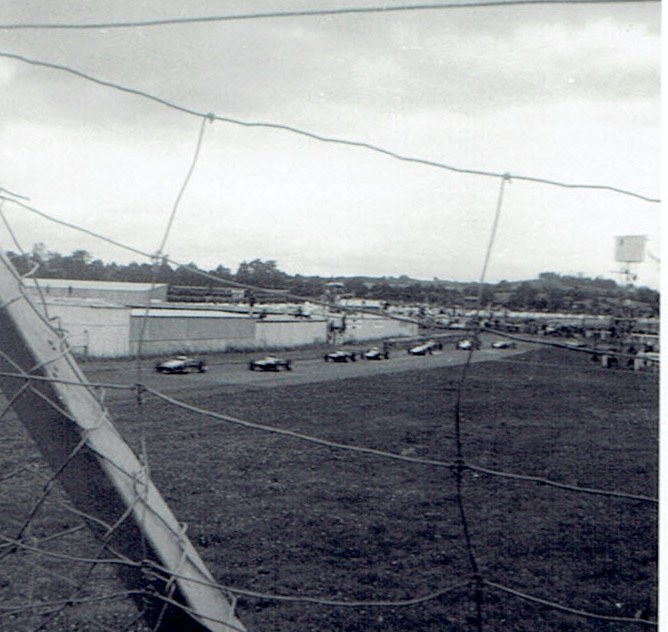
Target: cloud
568,93
423,61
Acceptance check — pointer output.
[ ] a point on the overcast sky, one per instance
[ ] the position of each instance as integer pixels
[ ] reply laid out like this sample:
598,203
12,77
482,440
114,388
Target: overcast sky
562,92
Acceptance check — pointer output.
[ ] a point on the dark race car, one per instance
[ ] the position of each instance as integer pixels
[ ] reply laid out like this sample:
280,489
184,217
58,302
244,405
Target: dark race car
181,364
270,363
340,356
426,348
376,353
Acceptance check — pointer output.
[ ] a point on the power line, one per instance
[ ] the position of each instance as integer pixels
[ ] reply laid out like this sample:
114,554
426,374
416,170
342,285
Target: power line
386,9
321,138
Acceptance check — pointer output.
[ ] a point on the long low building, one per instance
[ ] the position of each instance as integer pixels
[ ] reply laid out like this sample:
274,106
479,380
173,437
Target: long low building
361,327
117,292
98,328
167,330
92,328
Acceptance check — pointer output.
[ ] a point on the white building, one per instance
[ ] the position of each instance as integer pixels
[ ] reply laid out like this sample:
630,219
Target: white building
99,327
92,328
362,327
118,292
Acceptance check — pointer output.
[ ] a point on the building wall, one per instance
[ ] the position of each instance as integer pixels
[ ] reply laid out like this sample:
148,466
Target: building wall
97,329
369,327
121,293
93,330
278,333
167,332
181,331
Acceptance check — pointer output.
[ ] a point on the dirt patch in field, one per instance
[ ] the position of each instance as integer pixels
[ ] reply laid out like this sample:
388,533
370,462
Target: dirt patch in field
282,516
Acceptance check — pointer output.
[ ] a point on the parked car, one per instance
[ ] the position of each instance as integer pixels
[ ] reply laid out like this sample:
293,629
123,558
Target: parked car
270,363
376,353
426,348
341,356
504,344
467,344
181,364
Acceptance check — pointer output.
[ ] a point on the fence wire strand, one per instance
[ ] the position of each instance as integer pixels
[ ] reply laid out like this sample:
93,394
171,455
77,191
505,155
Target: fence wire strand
308,13
318,137
26,542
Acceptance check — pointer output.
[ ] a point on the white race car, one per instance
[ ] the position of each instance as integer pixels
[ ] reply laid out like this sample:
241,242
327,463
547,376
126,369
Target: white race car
181,364
341,356
426,348
376,353
467,344
270,363
504,344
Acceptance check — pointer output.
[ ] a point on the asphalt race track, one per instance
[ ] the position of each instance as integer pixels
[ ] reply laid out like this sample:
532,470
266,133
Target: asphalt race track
230,371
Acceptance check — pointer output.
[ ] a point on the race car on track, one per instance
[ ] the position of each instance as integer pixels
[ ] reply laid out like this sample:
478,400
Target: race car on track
181,364
376,353
504,344
340,356
270,363
467,344
426,348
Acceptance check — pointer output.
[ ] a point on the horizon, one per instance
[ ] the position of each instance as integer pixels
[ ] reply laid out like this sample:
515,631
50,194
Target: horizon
398,277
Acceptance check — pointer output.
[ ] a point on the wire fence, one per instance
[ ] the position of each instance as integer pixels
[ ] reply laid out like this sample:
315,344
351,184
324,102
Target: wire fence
48,539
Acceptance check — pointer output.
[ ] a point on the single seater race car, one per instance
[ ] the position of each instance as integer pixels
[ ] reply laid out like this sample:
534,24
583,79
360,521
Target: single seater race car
181,364
467,344
376,353
426,348
340,356
504,344
270,363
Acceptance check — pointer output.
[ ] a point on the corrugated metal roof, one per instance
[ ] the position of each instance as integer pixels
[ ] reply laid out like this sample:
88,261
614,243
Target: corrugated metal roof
212,313
80,302
184,313
93,285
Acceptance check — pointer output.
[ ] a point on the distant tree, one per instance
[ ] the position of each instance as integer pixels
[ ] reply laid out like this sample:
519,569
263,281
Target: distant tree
221,272
262,274
556,299
22,262
312,287
356,286
487,295
136,272
523,297
650,297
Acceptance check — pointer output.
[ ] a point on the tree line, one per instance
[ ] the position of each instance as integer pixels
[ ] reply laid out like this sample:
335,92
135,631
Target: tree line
549,292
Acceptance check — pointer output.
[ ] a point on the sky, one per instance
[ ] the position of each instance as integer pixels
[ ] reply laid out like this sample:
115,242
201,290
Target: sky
567,92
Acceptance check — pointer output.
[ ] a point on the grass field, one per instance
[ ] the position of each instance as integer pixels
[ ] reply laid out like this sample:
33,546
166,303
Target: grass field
281,516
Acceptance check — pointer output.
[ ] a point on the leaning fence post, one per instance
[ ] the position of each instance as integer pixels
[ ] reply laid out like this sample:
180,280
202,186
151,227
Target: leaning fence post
99,471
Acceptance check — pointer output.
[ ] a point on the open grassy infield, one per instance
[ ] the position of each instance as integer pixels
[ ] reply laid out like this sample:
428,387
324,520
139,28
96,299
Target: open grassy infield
282,516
